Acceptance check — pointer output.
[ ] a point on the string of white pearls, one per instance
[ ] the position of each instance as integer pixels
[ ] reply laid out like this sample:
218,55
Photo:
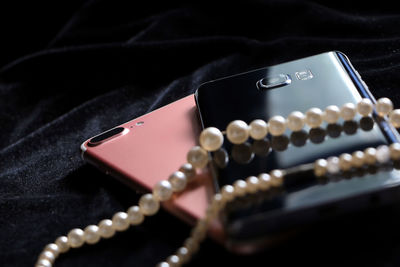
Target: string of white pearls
238,131
149,204
240,188
211,139
333,165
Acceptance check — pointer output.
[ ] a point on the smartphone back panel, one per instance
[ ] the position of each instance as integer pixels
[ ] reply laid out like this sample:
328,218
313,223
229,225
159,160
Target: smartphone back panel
152,147
316,81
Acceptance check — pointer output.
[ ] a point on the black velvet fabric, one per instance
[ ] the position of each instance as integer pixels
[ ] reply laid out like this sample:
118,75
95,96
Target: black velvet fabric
71,69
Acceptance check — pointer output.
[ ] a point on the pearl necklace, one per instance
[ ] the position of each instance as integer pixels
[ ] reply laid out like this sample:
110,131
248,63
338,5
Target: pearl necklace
211,139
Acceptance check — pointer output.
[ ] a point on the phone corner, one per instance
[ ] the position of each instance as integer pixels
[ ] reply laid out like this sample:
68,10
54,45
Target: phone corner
196,93
340,53
196,96
83,147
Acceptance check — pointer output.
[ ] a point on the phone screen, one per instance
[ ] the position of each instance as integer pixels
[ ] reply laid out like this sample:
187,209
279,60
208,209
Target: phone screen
317,81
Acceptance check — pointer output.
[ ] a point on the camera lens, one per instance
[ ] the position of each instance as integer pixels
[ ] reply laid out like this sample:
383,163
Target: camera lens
274,81
106,135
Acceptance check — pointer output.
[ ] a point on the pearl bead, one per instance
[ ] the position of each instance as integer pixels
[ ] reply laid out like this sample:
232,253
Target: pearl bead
43,263
331,114
382,154
333,165
252,184
345,161
120,221
296,121
178,181
395,151
237,132
277,125
365,107
198,157
276,178
62,243
264,180
202,225
47,255
191,244
163,264
314,117
240,187
135,217
92,235
228,192
348,111
173,261
149,205
53,248
370,155
183,254
199,232
320,167
211,139
76,238
212,211
163,190
258,129
216,203
106,229
384,106
358,159
189,171
394,118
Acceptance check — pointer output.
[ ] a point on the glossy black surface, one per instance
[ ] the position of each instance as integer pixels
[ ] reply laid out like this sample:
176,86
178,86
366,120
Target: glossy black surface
317,81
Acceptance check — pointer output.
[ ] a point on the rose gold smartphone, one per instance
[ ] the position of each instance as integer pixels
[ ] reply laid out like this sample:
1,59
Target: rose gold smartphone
148,149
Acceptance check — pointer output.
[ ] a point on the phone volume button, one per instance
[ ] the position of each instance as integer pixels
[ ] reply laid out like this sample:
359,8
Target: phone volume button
361,80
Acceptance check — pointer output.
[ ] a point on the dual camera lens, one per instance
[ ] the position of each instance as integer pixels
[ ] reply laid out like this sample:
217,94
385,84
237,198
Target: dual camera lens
106,135
98,139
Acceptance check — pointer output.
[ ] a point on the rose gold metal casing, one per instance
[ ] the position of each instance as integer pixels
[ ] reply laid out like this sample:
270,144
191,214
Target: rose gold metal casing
151,148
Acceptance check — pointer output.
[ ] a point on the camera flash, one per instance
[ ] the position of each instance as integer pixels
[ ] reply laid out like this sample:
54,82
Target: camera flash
304,75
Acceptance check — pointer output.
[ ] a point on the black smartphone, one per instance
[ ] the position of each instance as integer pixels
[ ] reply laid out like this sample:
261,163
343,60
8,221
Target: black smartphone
316,81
